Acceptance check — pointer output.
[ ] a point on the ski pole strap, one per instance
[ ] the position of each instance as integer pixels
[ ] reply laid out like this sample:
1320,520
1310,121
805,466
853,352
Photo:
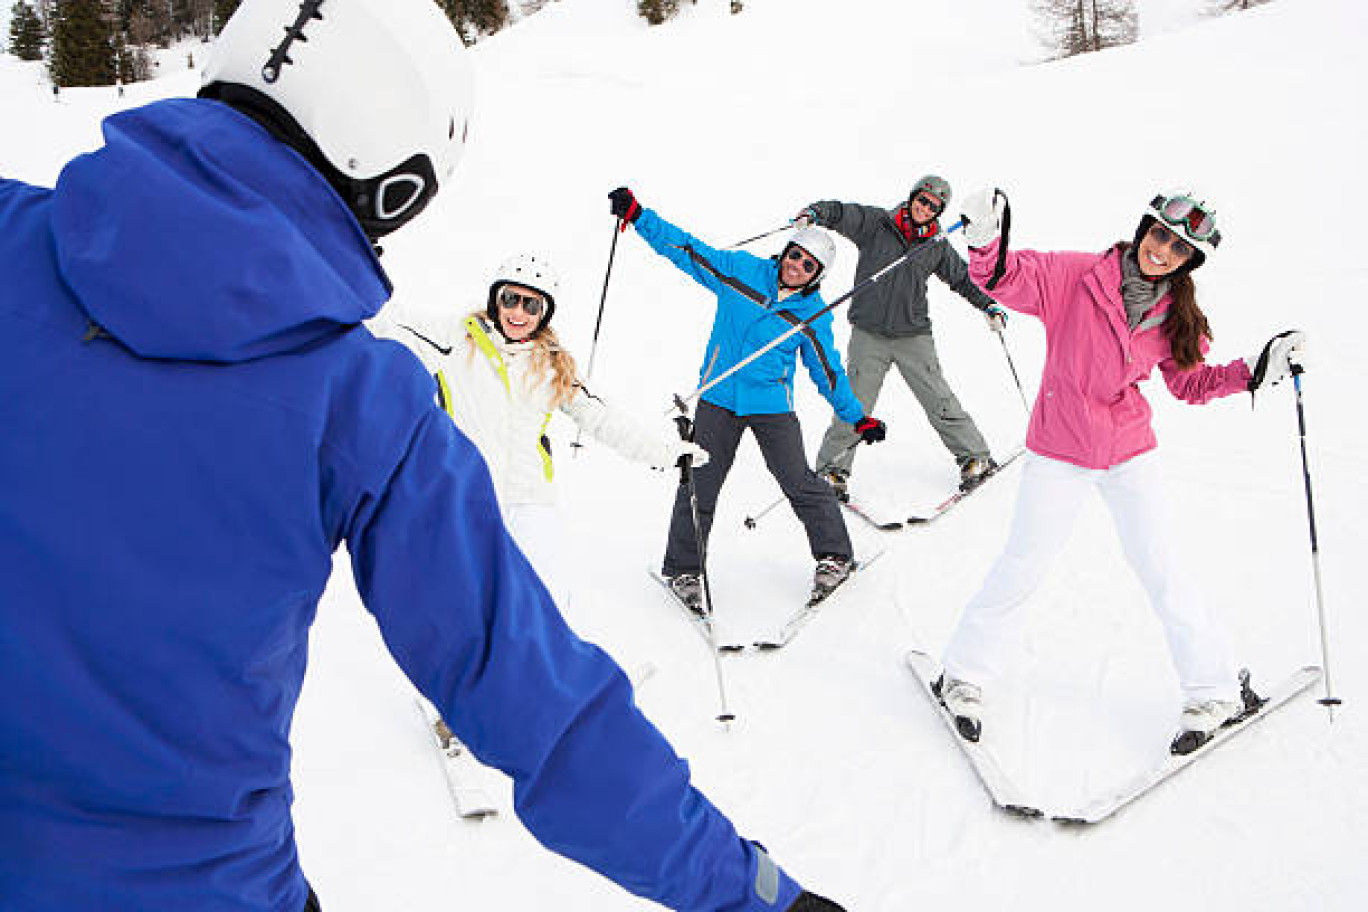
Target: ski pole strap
1004,242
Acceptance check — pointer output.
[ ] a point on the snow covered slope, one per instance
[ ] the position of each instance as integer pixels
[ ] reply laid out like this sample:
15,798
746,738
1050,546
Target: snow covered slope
728,125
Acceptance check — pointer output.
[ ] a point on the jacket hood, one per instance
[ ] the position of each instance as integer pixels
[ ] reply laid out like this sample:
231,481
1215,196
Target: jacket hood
193,235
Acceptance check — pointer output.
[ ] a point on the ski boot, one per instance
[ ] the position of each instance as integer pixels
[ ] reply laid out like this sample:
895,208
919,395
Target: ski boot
964,701
1202,718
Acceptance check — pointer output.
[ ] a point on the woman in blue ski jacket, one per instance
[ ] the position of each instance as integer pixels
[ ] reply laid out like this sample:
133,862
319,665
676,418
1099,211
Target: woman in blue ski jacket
193,419
758,300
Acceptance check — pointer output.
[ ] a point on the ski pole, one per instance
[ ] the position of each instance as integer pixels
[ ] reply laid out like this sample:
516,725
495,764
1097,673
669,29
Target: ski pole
598,323
1329,701
751,521
725,716
1012,365
765,234
800,326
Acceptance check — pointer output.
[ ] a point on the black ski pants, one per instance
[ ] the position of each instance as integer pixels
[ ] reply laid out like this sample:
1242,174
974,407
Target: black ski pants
719,432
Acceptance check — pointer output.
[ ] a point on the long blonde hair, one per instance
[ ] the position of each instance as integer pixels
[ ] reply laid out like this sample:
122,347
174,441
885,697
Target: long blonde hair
550,361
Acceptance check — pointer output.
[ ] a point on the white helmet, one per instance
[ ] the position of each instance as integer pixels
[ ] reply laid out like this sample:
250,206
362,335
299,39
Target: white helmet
819,245
1187,213
377,94
529,270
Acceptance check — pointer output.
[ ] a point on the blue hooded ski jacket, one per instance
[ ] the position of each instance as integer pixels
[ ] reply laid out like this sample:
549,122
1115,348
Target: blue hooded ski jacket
750,316
192,420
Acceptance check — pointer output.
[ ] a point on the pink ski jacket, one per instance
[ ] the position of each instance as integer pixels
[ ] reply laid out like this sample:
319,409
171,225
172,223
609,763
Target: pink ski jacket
1090,411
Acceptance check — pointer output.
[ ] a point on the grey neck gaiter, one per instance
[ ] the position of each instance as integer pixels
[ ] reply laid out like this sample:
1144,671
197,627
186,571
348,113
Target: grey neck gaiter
1139,293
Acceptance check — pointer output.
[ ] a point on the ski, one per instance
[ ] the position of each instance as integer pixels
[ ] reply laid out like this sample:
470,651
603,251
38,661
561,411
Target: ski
800,618
703,624
862,510
1001,789
472,802
1108,804
945,506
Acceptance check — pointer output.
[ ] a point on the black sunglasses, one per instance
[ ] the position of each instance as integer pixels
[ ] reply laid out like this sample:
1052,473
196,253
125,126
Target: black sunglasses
531,303
928,202
809,264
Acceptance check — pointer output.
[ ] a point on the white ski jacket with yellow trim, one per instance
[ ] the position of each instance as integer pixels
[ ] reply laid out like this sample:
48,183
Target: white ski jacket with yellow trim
486,384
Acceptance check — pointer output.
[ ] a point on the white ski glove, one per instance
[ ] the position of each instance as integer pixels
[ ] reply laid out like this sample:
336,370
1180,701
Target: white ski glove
1274,364
682,448
996,317
982,214
804,219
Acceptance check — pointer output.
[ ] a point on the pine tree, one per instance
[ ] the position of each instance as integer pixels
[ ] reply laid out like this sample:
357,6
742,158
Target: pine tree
83,46
473,18
657,11
223,9
1221,7
1081,26
27,34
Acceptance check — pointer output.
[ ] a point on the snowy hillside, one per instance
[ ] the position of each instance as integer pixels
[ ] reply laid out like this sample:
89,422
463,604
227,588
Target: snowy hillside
728,125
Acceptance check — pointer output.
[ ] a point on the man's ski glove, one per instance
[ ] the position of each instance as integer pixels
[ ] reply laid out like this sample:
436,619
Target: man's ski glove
805,218
625,205
982,214
996,317
871,430
811,902
1274,364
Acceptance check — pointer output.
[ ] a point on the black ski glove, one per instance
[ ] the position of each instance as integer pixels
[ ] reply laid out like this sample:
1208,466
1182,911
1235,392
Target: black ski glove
625,205
811,902
871,430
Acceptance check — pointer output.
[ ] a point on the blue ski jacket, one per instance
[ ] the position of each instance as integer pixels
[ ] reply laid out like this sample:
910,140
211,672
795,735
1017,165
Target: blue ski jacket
749,316
192,420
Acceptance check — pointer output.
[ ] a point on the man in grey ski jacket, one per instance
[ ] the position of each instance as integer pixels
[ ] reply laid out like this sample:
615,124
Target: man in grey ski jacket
891,324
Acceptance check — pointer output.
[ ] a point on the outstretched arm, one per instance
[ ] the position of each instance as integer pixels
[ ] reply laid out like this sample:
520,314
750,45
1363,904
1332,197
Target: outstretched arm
472,626
823,364
618,430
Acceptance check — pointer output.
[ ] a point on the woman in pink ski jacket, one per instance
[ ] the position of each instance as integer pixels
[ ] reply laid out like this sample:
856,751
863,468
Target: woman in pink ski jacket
1110,320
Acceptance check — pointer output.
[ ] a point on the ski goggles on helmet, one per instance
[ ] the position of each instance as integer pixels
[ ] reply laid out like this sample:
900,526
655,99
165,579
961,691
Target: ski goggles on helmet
1190,216
531,303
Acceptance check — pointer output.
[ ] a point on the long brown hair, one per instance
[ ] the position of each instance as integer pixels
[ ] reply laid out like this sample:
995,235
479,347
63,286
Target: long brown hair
550,360
1185,326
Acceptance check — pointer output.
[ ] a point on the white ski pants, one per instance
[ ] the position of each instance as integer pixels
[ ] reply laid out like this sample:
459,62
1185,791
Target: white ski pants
1048,502
538,530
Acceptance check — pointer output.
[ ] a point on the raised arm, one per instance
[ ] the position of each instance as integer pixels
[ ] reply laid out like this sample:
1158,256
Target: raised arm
706,265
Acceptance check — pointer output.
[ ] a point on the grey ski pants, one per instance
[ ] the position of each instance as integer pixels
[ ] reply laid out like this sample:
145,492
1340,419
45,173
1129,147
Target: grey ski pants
868,360
719,432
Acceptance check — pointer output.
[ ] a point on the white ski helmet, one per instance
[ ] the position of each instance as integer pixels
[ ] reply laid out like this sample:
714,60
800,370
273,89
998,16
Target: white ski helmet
1189,216
529,270
819,246
376,94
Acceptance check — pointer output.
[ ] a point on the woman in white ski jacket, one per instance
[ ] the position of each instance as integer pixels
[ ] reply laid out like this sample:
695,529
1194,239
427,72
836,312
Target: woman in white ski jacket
502,376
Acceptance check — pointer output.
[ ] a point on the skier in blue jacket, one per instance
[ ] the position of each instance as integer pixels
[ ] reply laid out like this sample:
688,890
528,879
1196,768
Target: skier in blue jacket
194,420
758,300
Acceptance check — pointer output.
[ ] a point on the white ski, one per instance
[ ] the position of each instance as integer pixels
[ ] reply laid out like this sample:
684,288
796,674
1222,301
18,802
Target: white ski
702,624
1105,805
472,802
1000,788
800,618
945,506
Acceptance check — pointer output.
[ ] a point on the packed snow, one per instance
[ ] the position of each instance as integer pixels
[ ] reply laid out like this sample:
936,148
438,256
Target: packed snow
727,126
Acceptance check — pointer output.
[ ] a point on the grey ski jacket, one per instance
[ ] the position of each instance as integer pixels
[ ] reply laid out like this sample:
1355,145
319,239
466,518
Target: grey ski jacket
895,306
